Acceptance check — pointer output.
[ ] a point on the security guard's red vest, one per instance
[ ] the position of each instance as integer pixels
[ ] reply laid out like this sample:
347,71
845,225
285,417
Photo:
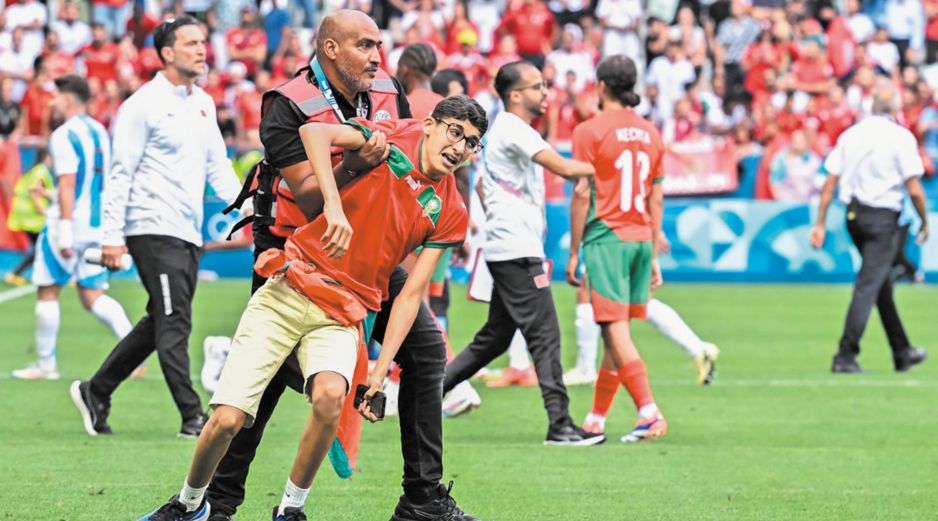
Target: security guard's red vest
309,99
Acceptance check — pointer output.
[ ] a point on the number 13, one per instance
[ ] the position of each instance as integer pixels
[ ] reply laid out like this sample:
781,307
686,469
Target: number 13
625,164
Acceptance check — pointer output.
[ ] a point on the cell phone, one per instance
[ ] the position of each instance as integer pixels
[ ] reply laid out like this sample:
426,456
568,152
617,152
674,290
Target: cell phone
377,401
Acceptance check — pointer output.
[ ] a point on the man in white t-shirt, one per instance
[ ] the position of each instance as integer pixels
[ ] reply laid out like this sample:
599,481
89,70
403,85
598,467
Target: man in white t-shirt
668,78
32,17
17,63
74,34
512,169
568,58
873,164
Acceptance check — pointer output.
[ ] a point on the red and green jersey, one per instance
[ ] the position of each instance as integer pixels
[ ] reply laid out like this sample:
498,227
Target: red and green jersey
393,210
627,152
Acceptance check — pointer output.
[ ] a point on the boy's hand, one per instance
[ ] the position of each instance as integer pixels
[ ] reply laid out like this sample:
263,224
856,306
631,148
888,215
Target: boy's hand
338,230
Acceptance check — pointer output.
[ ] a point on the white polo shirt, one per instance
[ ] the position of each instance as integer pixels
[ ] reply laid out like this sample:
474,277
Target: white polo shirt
513,188
167,147
874,158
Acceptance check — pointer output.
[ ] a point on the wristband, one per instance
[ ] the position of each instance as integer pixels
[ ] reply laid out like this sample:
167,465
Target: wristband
66,238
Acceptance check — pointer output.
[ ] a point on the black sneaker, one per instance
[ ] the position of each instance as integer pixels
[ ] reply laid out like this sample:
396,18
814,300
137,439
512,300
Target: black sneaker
845,365
289,514
175,510
93,411
219,516
908,357
193,427
442,508
573,436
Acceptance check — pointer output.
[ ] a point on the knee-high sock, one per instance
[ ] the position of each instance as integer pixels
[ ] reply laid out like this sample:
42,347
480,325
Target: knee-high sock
587,337
110,312
634,377
607,384
518,353
671,325
48,318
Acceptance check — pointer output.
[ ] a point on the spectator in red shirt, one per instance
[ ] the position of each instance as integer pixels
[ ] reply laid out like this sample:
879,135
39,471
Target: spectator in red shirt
141,25
506,52
534,29
469,61
214,87
811,71
57,61
415,69
760,56
931,31
248,104
101,56
248,42
567,108
460,28
105,105
36,105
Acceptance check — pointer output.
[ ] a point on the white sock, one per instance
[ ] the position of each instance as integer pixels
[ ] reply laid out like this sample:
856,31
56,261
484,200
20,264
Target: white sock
191,496
648,411
671,325
587,337
110,312
48,318
518,353
293,497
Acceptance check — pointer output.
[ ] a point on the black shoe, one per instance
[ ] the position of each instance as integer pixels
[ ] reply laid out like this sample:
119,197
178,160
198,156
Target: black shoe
289,514
573,436
219,516
908,357
93,411
442,508
193,427
845,365
175,510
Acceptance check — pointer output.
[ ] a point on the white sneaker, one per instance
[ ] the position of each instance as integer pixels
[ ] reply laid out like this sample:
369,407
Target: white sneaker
461,400
34,372
391,392
580,376
215,349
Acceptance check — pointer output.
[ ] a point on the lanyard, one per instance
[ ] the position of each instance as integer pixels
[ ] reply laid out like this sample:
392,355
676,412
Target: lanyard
326,88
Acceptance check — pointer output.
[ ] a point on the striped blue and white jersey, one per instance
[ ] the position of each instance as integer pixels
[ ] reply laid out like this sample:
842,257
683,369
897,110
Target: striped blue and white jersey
81,147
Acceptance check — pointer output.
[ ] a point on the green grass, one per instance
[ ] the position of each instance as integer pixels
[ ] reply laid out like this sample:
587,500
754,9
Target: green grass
776,438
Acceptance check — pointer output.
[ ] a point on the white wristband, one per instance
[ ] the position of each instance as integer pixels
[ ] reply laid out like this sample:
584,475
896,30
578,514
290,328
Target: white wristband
66,238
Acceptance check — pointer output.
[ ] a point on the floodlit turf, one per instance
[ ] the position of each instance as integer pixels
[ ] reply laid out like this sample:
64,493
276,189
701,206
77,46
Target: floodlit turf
776,438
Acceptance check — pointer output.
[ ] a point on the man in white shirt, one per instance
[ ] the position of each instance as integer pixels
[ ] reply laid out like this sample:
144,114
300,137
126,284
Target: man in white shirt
874,162
620,20
74,34
668,78
167,146
81,151
512,169
568,58
17,63
32,17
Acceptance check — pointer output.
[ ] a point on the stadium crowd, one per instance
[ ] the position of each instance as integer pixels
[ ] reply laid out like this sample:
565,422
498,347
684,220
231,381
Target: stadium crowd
782,79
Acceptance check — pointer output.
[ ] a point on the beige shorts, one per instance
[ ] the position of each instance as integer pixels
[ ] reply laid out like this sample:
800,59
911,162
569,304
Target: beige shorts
277,320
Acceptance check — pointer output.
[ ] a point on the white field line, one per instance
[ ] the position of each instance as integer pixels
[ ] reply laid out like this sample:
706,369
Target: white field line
15,293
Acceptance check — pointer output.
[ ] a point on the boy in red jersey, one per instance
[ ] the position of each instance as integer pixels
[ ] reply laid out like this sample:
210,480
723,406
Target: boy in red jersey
324,289
622,224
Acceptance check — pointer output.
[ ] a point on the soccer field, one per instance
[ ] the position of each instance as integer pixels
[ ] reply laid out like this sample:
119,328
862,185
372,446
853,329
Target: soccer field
777,437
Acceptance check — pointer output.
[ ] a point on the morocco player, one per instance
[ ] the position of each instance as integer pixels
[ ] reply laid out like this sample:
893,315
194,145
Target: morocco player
622,226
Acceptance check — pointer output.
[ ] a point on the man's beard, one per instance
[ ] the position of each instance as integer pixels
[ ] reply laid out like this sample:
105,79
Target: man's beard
354,84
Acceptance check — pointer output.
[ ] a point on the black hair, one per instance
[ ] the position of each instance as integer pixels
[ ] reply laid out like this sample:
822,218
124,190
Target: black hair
420,57
165,34
508,77
619,75
463,108
74,85
441,80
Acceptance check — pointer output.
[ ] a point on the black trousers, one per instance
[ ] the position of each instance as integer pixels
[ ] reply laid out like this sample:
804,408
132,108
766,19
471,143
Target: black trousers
422,358
169,269
518,303
875,233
